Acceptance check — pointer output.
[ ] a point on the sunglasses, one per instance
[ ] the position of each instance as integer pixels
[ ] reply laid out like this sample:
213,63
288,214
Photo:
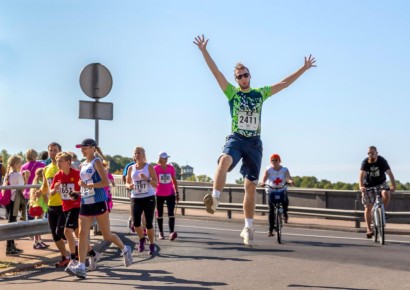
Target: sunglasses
274,160
239,77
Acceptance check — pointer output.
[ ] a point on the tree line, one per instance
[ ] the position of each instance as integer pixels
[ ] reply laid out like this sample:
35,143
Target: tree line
118,163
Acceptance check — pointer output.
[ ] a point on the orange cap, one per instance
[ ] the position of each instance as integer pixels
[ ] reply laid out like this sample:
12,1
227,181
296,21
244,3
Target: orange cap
275,156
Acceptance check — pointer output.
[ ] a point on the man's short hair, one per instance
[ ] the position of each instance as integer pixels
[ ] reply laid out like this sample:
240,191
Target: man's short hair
373,148
239,66
54,144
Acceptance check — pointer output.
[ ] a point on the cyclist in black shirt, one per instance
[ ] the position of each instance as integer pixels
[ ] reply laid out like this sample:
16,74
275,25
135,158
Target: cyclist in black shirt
373,173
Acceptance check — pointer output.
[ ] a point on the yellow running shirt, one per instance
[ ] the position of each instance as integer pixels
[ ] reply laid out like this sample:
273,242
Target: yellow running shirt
49,172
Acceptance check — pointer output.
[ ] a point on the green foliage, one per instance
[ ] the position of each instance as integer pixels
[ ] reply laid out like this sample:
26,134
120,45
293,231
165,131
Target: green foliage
199,178
203,178
117,163
191,178
312,182
239,180
177,170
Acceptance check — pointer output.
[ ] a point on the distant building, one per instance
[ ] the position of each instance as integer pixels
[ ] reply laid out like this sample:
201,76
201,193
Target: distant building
186,172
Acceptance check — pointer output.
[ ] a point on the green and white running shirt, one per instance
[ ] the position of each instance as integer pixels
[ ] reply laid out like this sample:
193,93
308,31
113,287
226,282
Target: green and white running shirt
246,109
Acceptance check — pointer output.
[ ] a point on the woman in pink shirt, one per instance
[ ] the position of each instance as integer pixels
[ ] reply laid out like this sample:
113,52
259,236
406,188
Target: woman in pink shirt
167,190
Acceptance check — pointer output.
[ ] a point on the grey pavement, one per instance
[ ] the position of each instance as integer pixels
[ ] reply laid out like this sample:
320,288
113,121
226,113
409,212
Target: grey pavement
34,257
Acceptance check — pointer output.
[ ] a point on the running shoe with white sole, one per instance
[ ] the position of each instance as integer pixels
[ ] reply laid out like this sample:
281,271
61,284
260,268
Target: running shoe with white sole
211,203
127,256
93,260
173,236
71,264
76,271
247,235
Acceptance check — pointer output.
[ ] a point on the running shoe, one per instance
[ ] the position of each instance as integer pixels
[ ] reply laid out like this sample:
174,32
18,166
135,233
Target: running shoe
151,249
43,245
93,260
76,271
211,203
72,264
128,256
161,236
63,263
173,236
36,246
17,249
247,235
141,247
130,225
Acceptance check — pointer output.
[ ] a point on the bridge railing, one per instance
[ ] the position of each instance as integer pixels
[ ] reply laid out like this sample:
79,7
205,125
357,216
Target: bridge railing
37,227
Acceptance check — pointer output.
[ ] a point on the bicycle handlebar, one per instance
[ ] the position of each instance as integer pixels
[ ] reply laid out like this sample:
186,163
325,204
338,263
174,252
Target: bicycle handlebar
267,186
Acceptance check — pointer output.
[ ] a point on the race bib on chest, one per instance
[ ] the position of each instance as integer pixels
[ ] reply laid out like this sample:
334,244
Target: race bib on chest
248,121
65,190
88,193
141,187
165,178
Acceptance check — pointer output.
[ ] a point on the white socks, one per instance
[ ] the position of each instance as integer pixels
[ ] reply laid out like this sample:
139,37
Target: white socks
248,223
216,193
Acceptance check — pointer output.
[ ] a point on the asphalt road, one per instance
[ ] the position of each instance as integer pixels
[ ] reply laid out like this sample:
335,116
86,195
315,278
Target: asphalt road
209,254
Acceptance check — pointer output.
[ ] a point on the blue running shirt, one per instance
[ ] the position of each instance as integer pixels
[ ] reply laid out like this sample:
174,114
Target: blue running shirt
90,175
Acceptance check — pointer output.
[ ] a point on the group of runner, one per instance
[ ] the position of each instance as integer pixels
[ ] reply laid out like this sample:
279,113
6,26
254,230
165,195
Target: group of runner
77,197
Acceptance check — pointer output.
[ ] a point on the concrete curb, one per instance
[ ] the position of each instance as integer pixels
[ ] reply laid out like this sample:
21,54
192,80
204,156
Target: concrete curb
100,246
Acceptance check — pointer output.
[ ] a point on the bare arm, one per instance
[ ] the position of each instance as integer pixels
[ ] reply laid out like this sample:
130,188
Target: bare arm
309,62
153,176
220,78
265,177
392,180
129,184
289,178
175,183
361,180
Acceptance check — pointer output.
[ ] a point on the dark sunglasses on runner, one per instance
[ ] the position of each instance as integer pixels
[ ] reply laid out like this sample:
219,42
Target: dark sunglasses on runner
245,75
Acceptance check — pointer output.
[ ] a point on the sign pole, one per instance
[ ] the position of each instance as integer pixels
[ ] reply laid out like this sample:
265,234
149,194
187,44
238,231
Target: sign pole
96,82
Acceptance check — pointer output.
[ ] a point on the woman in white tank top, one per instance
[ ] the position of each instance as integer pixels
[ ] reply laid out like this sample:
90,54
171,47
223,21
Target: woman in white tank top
141,181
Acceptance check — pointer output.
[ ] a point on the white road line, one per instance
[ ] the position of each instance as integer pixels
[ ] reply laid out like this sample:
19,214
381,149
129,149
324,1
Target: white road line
285,234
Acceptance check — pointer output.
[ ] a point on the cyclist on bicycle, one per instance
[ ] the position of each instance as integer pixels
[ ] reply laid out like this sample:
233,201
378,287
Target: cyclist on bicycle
373,173
277,176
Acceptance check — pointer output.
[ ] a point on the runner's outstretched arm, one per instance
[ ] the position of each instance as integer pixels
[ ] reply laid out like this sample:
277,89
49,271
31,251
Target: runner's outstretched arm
220,78
309,62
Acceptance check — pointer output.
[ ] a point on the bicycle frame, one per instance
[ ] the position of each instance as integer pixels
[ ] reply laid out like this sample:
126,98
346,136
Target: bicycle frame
378,214
278,211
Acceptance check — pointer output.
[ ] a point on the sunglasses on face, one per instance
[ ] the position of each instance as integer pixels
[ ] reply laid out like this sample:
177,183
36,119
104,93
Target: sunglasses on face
274,160
245,75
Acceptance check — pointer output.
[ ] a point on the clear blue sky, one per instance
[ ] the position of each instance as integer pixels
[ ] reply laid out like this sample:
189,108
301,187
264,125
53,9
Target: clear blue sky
165,98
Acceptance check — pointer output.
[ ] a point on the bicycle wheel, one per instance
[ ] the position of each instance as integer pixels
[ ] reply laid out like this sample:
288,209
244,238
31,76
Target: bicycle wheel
381,225
278,221
375,222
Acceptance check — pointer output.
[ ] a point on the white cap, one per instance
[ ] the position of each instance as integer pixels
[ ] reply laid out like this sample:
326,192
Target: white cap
163,154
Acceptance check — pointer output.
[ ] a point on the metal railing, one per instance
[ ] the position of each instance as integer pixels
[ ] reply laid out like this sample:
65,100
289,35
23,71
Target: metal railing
354,215
37,227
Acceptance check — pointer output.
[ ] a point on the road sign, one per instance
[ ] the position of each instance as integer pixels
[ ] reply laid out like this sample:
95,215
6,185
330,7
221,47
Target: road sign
95,80
96,110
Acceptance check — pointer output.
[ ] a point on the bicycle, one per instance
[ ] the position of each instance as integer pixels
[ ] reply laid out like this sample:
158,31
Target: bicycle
279,197
378,215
